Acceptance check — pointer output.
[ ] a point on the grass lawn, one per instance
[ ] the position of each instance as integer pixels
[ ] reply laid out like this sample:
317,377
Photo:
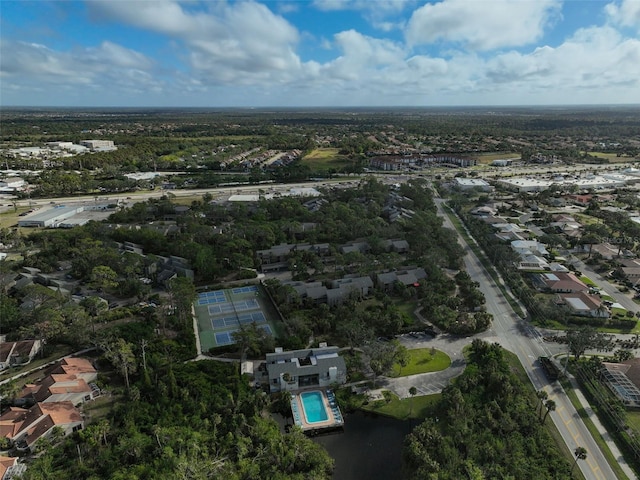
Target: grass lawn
57,352
633,419
586,280
325,158
421,361
490,157
407,307
611,157
392,406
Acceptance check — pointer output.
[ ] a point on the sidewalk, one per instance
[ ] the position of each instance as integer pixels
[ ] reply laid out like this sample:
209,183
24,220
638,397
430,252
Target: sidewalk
603,431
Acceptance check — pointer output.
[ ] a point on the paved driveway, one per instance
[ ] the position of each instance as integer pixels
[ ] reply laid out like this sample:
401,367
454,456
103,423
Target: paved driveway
434,382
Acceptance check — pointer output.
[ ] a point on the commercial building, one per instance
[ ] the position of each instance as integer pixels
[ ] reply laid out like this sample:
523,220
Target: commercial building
51,217
471,183
99,145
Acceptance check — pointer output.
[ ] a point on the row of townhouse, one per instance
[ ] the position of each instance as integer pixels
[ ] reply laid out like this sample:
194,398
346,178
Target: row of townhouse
49,403
277,257
339,290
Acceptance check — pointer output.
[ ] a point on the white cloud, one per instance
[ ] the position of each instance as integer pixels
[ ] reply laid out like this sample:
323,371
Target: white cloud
241,43
625,13
388,6
481,25
596,59
362,55
108,67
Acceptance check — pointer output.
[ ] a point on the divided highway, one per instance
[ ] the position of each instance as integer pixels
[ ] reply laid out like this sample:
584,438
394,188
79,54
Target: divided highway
517,336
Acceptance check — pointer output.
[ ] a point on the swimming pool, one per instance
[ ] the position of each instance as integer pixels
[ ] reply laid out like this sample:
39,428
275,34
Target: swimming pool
313,406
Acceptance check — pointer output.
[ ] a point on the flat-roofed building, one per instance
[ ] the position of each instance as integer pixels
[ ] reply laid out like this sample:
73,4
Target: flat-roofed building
49,218
296,369
471,183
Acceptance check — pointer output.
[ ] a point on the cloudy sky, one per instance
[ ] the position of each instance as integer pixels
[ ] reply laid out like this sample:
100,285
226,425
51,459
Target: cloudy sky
319,53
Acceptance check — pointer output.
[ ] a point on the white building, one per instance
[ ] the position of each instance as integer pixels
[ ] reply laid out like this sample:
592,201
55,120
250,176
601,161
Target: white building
99,145
50,218
471,183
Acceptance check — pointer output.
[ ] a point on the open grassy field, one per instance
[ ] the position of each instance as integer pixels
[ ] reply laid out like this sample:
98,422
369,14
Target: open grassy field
392,406
422,360
486,158
324,159
611,157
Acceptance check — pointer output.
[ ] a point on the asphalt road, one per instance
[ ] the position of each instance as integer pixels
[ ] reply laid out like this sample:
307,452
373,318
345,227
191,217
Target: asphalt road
519,337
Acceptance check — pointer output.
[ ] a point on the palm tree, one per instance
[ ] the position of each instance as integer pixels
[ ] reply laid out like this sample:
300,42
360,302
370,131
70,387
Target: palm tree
551,406
412,392
581,454
542,396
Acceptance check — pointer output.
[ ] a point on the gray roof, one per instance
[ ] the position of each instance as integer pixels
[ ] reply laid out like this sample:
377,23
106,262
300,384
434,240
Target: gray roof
279,363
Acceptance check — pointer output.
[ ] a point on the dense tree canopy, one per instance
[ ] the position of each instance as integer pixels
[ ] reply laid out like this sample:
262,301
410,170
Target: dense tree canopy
485,423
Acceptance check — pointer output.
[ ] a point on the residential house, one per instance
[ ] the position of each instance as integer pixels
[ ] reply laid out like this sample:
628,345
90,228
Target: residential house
562,282
58,388
407,276
631,269
343,287
583,304
397,246
80,367
624,380
18,353
297,369
338,293
276,258
25,427
529,247
10,468
532,262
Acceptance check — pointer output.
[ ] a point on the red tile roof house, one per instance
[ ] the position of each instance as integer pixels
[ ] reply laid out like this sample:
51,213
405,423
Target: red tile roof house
561,282
68,380
10,468
25,427
80,367
583,304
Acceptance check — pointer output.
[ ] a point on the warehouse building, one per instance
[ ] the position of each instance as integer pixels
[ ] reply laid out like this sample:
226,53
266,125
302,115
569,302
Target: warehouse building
50,218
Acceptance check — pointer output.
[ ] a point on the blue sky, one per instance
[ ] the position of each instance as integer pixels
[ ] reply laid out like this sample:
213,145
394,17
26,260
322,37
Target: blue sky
319,53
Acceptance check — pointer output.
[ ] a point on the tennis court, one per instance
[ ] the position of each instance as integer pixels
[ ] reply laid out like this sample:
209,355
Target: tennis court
208,298
239,306
220,313
226,338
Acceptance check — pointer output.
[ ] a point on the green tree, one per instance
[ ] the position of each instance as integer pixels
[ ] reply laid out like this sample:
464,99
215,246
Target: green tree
542,396
581,339
580,454
412,391
550,405
103,278
120,353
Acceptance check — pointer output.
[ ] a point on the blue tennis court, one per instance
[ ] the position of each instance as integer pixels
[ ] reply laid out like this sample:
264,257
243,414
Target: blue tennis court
222,308
207,298
244,319
239,306
242,305
249,289
226,338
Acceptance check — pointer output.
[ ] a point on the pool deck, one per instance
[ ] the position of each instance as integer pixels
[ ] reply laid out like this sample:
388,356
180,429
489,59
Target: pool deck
334,420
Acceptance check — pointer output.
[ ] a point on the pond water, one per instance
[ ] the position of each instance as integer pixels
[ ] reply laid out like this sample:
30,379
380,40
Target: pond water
370,447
